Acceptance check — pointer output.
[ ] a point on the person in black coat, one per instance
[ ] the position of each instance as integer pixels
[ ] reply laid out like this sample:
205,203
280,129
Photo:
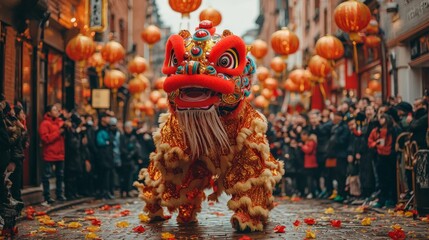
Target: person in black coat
4,138
337,149
130,154
322,129
88,143
74,155
419,124
17,150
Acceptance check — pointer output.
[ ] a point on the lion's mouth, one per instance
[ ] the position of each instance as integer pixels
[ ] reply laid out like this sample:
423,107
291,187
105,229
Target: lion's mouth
195,94
196,98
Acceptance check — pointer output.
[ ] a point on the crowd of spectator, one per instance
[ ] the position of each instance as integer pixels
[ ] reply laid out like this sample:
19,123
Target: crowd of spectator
349,153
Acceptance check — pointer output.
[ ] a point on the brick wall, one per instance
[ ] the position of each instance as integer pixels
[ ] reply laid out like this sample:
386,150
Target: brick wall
9,68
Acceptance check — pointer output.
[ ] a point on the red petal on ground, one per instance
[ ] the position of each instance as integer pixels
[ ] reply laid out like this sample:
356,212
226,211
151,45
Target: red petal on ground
125,213
89,211
96,222
336,223
296,223
245,237
397,234
105,207
117,207
41,213
310,221
139,229
280,229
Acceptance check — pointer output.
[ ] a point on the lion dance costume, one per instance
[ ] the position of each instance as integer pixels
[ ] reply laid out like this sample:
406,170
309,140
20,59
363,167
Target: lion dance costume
211,137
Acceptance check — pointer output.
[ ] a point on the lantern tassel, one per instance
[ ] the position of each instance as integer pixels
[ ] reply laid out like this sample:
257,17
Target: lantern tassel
355,56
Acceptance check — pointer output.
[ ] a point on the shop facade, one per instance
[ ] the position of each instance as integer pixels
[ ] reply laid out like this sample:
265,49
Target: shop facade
407,32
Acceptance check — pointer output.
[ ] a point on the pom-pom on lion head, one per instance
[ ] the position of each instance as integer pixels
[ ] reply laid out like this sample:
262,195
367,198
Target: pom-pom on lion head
206,69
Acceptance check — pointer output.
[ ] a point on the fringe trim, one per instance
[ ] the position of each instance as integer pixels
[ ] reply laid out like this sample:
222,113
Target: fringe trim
252,210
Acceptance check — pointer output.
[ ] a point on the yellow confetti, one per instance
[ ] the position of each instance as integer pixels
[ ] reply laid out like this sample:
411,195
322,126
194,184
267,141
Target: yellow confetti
43,219
366,221
74,225
61,223
400,213
360,209
122,224
391,212
397,227
47,229
91,235
33,233
408,214
93,228
310,234
49,222
329,211
167,235
144,218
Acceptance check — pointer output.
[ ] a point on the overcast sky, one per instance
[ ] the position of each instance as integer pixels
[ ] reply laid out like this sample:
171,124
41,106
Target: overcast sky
237,15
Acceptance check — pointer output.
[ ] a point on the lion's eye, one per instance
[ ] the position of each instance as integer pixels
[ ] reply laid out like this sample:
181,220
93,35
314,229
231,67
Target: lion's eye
228,59
173,60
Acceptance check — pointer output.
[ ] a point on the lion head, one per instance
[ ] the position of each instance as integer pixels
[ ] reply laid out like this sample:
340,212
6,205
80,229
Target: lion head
208,75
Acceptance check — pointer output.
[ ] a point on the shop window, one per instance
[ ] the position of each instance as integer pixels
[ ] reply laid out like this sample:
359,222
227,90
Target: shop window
55,78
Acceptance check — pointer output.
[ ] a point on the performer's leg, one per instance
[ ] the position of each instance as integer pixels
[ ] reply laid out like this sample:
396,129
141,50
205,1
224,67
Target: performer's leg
250,182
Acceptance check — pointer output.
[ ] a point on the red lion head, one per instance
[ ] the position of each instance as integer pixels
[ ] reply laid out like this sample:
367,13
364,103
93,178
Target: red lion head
206,69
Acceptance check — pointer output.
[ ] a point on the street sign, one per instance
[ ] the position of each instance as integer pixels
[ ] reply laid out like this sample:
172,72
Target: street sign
97,14
100,98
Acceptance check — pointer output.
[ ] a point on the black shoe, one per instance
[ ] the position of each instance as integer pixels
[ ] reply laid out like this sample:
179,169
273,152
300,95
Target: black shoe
49,200
61,198
70,197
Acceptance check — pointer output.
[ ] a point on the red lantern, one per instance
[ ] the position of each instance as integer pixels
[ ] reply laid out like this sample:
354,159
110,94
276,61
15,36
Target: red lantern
259,48
261,102
184,6
271,83
352,16
278,64
267,93
212,15
262,73
96,60
284,42
319,66
149,108
374,86
86,93
372,27
162,103
138,84
137,65
26,88
372,41
301,78
154,96
256,88
159,83
151,34
80,48
329,47
290,86
113,52
113,79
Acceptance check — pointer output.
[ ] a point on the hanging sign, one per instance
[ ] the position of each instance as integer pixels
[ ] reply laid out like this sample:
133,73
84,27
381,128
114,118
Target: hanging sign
97,14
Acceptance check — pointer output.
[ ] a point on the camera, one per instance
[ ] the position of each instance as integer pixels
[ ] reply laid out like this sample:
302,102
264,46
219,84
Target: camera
392,7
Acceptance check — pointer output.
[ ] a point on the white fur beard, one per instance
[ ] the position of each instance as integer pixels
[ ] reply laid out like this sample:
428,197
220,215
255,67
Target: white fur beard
204,132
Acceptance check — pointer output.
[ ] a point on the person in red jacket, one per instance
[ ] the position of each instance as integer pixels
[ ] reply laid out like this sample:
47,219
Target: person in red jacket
382,139
51,132
309,148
